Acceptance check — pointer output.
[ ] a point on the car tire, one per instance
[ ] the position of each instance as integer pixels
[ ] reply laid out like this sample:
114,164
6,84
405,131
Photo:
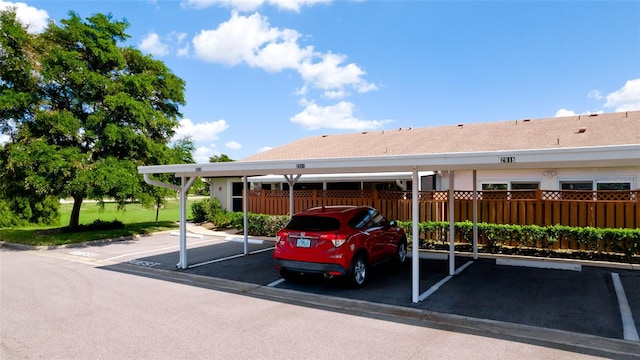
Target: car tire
401,254
359,272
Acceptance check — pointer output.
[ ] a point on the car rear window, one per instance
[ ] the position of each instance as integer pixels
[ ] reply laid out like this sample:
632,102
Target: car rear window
313,223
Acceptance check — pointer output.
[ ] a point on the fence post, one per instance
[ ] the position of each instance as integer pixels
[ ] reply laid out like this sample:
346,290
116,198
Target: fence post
539,220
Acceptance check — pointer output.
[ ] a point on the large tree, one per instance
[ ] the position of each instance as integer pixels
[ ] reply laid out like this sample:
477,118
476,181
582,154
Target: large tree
90,113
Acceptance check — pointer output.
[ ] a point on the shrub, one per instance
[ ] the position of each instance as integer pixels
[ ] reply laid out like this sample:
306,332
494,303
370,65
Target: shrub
206,210
496,236
265,225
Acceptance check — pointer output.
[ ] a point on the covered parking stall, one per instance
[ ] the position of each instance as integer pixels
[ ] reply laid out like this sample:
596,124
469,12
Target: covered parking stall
565,158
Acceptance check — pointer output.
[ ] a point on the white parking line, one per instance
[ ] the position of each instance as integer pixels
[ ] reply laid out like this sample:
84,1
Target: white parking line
158,249
276,283
239,239
227,258
435,287
84,253
188,235
540,264
628,326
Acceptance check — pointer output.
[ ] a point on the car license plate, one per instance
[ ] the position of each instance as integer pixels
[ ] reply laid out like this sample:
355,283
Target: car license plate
304,243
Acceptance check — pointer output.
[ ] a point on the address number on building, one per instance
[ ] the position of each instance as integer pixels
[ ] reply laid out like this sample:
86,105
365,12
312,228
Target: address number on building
508,159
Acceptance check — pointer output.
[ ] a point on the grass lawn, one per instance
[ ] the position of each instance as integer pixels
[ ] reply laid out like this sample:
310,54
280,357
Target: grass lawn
137,220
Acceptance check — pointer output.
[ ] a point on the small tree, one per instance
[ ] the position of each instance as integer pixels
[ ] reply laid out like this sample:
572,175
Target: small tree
220,158
82,112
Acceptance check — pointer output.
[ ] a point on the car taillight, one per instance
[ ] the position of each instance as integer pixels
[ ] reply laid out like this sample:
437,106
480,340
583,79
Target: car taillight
281,238
337,239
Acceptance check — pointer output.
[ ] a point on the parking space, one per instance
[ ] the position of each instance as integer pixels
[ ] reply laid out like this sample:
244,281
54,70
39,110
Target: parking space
583,301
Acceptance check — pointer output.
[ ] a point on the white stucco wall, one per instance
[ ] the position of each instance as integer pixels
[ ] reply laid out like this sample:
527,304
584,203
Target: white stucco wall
221,189
549,179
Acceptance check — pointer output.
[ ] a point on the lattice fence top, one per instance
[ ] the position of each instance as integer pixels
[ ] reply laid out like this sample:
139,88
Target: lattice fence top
602,195
553,195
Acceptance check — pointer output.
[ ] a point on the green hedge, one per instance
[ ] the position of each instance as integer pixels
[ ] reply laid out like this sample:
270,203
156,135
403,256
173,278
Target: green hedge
623,241
257,224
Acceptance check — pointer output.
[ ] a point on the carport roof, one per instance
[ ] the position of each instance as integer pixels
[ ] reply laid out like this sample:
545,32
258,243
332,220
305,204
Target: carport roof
602,156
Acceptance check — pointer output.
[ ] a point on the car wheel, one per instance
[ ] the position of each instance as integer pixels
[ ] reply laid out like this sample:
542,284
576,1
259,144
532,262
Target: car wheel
288,275
401,255
359,272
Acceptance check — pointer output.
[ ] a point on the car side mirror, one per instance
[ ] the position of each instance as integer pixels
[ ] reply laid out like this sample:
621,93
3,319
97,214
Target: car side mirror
392,223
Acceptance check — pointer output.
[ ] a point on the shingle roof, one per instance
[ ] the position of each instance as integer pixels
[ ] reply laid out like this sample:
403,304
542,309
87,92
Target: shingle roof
622,128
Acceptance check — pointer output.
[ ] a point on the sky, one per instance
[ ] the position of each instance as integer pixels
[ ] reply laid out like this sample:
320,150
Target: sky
263,73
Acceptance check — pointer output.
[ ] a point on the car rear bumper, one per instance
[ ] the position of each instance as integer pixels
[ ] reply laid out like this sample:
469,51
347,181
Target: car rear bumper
310,267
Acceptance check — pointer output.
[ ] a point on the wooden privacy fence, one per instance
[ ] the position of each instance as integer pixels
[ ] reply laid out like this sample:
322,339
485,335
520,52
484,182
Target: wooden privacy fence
603,209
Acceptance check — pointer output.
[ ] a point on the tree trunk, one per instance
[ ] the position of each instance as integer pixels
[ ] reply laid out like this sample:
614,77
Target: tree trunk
75,212
157,212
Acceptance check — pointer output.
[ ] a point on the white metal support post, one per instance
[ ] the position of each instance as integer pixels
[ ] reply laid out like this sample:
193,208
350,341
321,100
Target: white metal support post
184,188
291,180
245,210
452,255
475,215
415,242
182,192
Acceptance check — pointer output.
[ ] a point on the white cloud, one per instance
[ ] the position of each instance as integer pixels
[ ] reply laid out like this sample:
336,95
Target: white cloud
233,145
160,46
594,94
234,40
330,73
201,132
338,116
281,53
625,99
252,5
203,153
252,41
35,19
564,112
153,45
264,148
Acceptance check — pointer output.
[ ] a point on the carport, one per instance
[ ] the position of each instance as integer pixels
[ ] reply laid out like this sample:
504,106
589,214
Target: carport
577,157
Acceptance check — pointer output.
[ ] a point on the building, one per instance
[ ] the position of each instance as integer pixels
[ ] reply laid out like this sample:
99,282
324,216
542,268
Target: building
580,131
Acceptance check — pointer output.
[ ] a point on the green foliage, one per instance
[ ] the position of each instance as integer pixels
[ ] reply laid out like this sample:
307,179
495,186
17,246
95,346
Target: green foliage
206,210
99,225
7,217
82,113
257,224
265,225
497,236
220,158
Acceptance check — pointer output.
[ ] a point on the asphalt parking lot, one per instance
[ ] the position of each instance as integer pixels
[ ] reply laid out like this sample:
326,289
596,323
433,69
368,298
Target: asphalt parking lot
582,302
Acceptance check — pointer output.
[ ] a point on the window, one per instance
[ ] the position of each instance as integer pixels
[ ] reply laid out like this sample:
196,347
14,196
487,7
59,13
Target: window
377,218
361,220
613,186
343,186
576,185
313,223
303,186
236,196
494,186
524,186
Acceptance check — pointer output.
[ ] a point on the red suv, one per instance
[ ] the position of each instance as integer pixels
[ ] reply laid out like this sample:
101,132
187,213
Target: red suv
338,241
